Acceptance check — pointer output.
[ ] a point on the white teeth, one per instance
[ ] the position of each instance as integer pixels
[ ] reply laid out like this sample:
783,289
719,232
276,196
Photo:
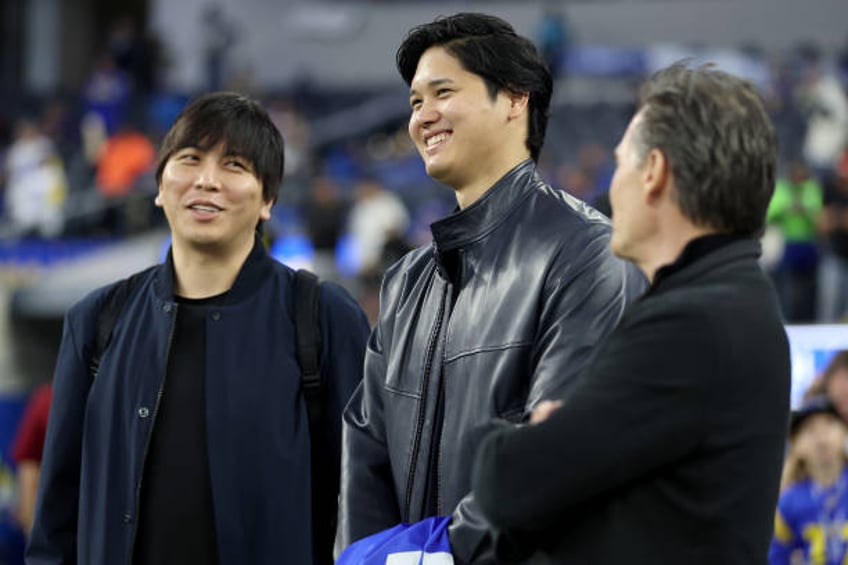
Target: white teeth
204,208
437,139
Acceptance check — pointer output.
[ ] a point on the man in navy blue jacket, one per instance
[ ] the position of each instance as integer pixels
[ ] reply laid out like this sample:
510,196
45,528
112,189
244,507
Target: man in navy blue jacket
190,443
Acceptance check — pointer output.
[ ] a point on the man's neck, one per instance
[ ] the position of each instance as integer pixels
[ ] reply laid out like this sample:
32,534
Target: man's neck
204,272
471,191
668,245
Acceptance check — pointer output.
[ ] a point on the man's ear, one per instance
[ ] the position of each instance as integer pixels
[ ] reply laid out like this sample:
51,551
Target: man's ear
656,176
518,102
265,211
158,199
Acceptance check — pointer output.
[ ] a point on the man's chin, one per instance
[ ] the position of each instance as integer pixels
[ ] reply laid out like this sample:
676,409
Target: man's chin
618,249
202,242
439,173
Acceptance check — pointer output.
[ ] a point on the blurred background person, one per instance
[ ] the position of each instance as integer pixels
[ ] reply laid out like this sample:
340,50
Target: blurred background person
810,520
833,267
27,451
106,94
833,383
554,39
135,54
794,209
35,183
325,216
376,217
123,159
824,103
219,35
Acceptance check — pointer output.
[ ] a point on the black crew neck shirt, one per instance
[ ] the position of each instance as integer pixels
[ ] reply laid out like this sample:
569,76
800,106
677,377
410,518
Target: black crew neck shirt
176,515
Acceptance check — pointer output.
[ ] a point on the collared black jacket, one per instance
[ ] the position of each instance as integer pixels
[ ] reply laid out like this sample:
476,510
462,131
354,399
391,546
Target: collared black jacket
502,311
669,448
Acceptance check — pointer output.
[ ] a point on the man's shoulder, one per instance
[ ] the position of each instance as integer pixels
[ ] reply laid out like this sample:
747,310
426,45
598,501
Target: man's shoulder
336,297
94,299
557,222
797,499
560,203
336,304
686,302
720,309
411,265
732,278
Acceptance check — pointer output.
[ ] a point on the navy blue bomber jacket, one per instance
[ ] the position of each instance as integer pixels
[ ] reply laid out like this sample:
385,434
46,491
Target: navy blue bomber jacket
258,436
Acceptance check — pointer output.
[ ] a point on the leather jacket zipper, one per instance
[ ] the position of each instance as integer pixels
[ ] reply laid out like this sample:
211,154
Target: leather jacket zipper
435,481
150,433
428,364
431,502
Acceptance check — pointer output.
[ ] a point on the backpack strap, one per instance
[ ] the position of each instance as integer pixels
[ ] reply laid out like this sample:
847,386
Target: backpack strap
324,487
308,329
110,311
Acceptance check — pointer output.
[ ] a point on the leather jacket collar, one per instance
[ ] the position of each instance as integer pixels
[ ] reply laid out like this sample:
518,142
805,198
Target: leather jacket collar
474,222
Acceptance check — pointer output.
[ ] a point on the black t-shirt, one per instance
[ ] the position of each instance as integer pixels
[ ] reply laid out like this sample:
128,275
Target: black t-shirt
176,514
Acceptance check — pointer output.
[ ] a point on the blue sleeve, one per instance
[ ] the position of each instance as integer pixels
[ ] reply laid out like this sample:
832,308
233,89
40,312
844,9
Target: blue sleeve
53,539
785,541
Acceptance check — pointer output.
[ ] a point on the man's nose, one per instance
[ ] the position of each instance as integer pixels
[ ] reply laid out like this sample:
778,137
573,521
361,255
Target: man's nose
426,114
208,175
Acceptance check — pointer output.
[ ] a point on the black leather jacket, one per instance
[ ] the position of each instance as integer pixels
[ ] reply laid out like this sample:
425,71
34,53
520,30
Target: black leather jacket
502,311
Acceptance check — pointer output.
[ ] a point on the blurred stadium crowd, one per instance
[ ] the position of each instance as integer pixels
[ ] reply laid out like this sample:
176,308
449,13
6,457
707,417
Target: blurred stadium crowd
76,168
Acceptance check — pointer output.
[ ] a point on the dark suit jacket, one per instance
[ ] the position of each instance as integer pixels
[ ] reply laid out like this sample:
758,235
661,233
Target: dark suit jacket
669,448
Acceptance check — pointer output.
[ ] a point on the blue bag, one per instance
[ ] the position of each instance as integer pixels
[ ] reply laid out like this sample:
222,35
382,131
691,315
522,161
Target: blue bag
422,543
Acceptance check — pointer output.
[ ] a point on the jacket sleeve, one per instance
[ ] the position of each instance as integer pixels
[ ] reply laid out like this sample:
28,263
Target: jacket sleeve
366,475
607,432
786,540
782,544
471,541
585,297
53,539
344,330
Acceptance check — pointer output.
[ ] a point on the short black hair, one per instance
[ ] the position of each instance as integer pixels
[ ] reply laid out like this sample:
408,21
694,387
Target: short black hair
238,122
488,47
720,144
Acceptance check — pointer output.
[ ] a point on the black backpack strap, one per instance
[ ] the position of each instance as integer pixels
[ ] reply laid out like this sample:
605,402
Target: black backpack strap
110,311
324,487
308,330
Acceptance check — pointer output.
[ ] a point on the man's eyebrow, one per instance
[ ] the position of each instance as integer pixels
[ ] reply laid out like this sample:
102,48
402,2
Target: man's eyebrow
433,83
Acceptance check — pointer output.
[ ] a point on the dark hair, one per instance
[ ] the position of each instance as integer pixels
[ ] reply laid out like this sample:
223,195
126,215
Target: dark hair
238,122
488,47
812,405
719,141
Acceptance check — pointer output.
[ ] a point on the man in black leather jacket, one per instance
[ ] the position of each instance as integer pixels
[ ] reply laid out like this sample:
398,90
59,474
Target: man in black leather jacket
500,313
